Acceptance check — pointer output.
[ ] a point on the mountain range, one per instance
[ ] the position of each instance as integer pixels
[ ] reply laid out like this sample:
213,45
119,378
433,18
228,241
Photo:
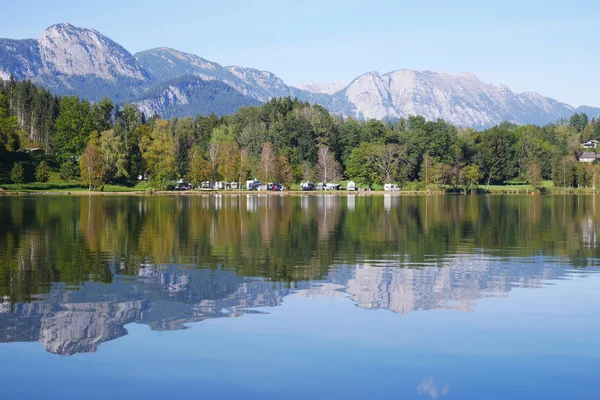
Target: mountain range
71,60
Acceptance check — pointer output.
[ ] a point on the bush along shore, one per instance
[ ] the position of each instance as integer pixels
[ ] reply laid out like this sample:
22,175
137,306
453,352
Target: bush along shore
50,143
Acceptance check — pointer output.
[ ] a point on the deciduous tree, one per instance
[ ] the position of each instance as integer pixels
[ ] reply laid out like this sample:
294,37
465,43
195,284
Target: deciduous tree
199,169
471,176
328,169
268,163
158,152
90,163
114,155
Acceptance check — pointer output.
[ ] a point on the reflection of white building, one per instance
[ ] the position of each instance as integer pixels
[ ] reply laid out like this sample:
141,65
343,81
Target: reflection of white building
251,203
218,201
390,201
305,202
351,203
588,231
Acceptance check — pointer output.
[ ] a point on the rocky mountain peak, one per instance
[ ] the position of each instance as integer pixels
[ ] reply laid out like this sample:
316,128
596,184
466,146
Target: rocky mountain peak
68,50
468,75
327,88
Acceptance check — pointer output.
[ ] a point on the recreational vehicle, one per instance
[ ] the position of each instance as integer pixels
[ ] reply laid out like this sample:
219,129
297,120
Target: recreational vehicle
252,184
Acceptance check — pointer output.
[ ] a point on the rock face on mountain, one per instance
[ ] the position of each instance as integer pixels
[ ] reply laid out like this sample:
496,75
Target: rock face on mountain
461,99
67,50
192,95
327,88
164,64
71,60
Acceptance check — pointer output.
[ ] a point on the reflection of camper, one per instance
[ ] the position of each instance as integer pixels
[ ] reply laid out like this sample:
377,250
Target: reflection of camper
252,184
351,202
251,203
352,186
305,202
390,201
391,187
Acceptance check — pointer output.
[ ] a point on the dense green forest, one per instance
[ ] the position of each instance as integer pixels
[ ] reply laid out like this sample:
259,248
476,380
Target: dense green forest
283,140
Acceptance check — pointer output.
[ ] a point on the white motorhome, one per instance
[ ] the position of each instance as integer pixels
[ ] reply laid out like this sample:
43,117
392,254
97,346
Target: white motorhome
391,187
352,186
252,184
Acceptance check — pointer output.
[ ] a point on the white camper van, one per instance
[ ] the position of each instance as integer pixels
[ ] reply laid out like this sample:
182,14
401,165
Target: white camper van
351,186
391,187
252,184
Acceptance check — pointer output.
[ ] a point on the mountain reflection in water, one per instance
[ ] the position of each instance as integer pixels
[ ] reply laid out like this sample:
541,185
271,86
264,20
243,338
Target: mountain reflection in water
75,271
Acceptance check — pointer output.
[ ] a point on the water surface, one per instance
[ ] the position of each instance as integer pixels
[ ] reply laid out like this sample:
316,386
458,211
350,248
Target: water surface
295,297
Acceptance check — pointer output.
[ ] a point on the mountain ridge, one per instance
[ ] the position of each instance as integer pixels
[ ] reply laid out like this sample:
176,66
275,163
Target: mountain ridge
81,61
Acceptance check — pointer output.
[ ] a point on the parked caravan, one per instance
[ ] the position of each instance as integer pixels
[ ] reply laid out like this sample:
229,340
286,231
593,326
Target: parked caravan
181,185
220,185
307,186
351,186
252,184
391,187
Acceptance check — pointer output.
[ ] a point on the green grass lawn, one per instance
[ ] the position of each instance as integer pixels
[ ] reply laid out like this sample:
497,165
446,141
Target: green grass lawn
515,188
69,187
54,184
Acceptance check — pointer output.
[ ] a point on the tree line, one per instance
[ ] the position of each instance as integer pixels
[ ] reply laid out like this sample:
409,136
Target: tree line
288,141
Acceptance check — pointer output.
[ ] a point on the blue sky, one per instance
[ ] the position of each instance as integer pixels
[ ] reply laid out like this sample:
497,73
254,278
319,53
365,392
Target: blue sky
547,46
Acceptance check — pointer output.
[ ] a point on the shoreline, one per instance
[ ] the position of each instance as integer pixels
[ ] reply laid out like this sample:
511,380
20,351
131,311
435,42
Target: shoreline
194,193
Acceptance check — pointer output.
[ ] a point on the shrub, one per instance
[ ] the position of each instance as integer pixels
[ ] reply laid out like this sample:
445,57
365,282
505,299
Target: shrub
42,173
68,171
17,173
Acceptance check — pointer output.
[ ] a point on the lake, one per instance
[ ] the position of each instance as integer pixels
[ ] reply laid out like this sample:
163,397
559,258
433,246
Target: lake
300,297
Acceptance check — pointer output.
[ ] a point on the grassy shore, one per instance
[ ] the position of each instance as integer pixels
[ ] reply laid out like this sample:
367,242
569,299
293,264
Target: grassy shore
56,186
77,188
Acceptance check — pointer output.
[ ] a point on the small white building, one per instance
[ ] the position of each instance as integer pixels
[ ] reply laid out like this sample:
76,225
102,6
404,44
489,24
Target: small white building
252,184
590,144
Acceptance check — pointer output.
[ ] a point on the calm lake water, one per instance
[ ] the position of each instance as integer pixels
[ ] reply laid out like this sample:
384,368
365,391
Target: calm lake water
300,297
